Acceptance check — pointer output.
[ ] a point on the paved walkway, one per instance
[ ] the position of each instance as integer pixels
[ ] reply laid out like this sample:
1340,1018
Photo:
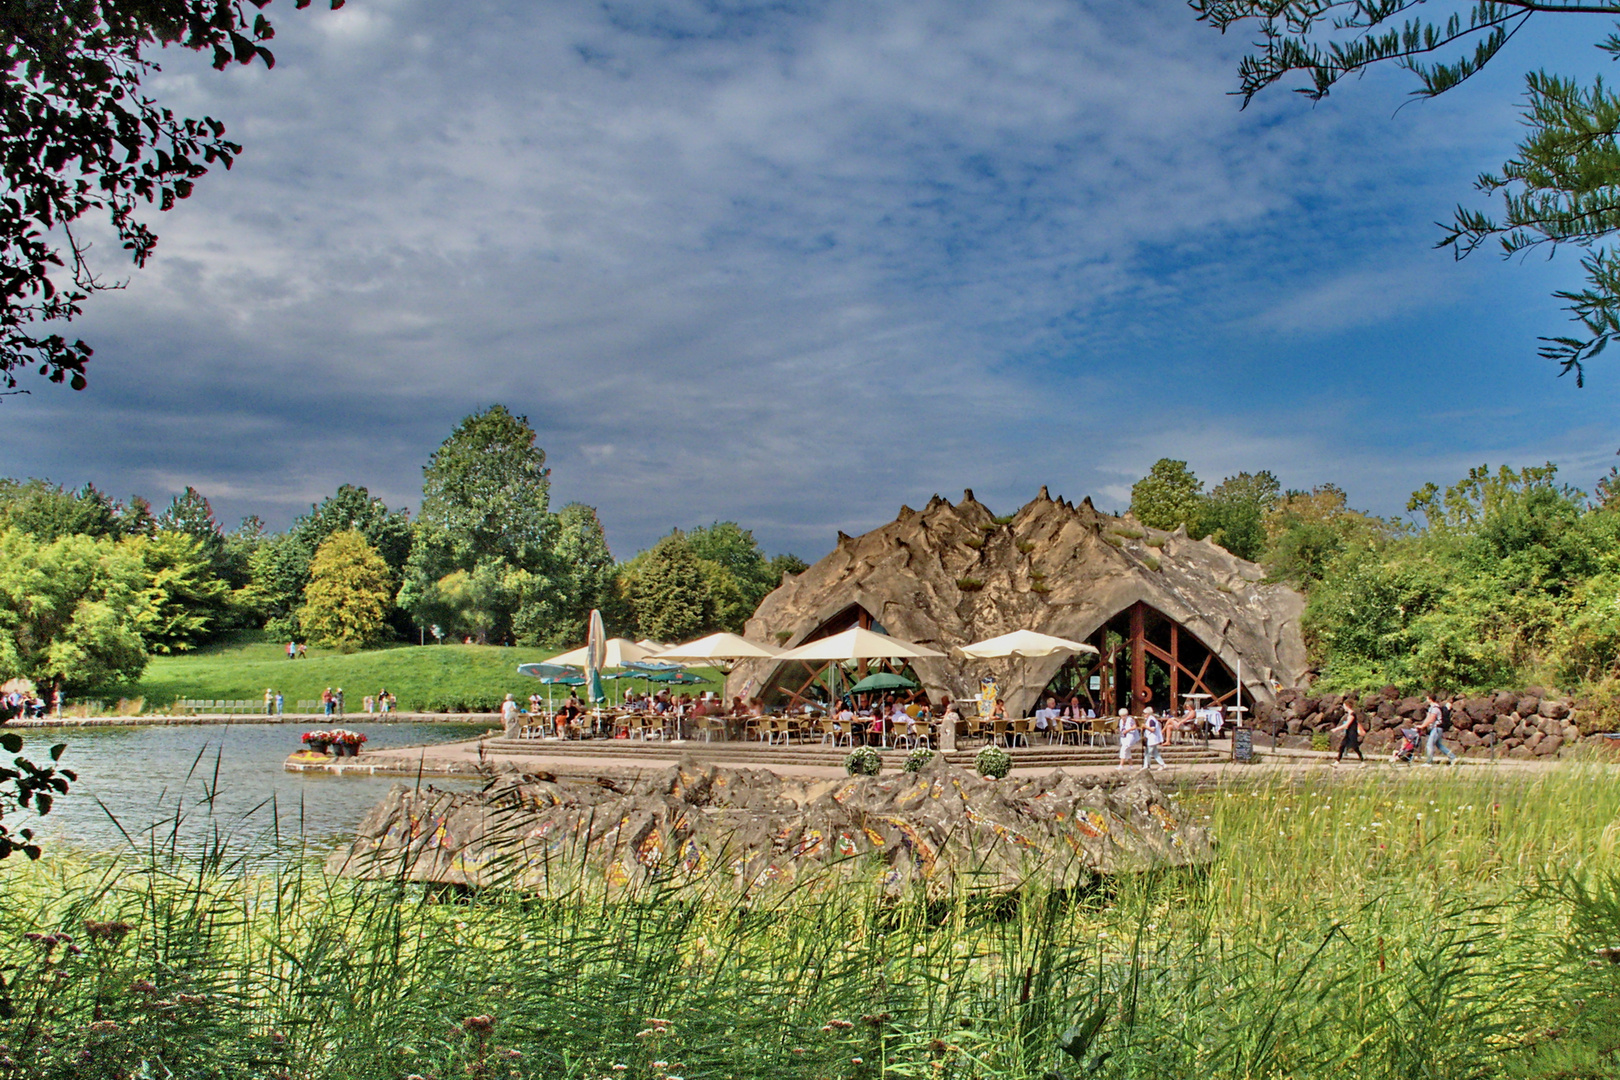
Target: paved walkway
472,758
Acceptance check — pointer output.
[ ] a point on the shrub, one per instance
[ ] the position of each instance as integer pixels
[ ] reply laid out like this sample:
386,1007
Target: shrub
1320,740
975,542
1151,562
1154,541
864,761
1040,587
1025,547
782,636
969,584
1128,532
993,762
918,758
1004,519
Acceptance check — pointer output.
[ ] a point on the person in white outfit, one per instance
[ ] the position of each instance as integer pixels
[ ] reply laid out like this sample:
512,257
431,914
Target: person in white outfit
1152,739
1129,733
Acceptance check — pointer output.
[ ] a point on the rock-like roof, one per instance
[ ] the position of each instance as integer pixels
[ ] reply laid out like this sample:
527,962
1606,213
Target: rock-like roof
951,574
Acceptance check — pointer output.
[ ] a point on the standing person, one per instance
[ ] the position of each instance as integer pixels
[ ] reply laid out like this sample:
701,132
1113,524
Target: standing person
1129,732
278,702
292,650
1353,730
326,702
337,702
509,716
1152,739
1436,722
269,702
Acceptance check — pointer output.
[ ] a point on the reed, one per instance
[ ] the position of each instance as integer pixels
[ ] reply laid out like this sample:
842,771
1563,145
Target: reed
1441,924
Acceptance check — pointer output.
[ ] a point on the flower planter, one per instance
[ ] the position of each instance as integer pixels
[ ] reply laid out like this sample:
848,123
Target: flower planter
319,747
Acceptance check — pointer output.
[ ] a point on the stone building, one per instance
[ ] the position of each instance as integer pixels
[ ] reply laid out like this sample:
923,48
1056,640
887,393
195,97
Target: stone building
1171,617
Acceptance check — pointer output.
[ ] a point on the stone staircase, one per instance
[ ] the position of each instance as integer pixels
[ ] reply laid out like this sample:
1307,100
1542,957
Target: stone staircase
756,754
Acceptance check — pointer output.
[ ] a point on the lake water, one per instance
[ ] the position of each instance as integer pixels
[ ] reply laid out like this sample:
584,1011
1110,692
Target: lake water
223,780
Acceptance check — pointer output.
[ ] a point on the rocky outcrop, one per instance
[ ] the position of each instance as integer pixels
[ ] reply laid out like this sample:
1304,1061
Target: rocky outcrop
950,574
941,828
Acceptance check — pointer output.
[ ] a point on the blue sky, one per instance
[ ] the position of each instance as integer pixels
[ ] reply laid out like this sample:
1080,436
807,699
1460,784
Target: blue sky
796,264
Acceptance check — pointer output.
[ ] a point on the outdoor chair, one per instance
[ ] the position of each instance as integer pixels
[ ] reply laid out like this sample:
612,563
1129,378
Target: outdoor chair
1021,729
1001,732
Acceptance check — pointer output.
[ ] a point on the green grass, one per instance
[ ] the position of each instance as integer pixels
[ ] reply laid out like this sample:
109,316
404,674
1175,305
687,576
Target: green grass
1439,925
420,677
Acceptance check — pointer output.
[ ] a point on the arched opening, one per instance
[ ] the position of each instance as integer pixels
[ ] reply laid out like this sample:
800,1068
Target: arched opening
1144,657
798,683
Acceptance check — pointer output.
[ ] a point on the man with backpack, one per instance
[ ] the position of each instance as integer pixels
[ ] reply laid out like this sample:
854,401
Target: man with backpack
1437,721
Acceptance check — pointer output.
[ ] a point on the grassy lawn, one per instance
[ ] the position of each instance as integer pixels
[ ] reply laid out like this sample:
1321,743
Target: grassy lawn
1443,925
443,677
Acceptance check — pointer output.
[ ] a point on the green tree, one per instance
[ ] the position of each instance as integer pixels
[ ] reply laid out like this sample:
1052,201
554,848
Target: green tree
1168,497
183,602
190,513
1307,530
486,513
49,511
69,611
80,135
581,550
1234,514
348,593
668,591
1561,187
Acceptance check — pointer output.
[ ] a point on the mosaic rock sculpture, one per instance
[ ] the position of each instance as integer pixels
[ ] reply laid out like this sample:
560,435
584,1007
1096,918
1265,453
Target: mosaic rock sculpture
941,828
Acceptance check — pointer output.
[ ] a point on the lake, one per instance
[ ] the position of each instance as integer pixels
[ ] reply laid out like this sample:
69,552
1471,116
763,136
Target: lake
225,780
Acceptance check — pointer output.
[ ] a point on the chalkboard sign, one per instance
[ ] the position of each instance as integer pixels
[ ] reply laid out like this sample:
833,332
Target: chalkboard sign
1243,745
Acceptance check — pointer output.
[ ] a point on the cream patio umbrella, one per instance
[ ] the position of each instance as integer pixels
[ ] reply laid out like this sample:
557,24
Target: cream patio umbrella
1024,643
616,652
858,643
717,647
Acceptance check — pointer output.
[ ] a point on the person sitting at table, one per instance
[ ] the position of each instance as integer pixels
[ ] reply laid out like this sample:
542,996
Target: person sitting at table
900,719
1073,716
1046,717
998,711
738,706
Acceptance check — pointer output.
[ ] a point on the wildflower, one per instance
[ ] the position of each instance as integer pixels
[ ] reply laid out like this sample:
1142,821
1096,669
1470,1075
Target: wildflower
103,1027
110,932
483,1023
857,1061
620,1068
660,1064
141,986
938,1046
192,999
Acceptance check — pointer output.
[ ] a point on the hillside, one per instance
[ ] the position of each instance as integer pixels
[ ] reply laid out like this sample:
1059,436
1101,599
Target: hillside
423,678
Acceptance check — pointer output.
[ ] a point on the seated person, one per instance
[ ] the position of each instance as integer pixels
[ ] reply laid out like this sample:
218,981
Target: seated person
1046,717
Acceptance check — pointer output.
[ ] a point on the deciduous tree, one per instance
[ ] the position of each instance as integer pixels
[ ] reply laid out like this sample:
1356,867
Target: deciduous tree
1168,497
69,611
348,593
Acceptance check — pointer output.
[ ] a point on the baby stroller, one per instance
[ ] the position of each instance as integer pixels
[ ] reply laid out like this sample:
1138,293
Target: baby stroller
1407,750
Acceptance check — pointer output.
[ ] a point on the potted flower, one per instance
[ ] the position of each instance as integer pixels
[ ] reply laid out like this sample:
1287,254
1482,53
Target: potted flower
347,743
318,741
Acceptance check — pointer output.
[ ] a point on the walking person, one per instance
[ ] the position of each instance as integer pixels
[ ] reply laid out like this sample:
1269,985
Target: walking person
509,716
292,650
1152,739
1353,730
278,702
1436,722
1129,733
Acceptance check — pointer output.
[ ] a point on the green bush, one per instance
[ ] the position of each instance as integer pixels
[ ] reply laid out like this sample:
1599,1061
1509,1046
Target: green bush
993,762
918,758
969,584
864,761
1321,740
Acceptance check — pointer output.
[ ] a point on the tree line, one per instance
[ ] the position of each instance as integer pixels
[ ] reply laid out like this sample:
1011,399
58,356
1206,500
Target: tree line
1502,579
91,587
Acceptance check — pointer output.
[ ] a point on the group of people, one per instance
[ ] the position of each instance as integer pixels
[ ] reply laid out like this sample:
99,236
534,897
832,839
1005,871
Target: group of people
28,705
1430,732
297,650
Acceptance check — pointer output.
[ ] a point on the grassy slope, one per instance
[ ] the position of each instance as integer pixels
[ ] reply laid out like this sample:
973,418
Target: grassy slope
416,675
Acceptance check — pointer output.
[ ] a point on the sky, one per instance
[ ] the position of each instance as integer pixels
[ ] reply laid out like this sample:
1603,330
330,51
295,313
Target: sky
797,263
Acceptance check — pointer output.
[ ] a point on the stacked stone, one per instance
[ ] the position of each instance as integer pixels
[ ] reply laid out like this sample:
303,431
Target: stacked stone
1525,724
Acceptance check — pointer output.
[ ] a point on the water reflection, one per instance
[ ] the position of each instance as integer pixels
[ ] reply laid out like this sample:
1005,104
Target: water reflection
225,780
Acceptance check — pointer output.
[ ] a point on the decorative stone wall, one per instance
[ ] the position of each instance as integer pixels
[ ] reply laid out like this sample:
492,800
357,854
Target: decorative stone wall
1524,724
942,828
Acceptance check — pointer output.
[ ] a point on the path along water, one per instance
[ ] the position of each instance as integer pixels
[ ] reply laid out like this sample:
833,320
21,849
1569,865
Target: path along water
222,780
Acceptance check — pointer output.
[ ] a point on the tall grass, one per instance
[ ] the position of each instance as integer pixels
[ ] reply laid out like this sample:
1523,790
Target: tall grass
1340,934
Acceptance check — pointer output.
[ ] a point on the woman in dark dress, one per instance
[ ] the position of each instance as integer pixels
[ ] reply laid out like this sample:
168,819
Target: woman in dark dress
1353,731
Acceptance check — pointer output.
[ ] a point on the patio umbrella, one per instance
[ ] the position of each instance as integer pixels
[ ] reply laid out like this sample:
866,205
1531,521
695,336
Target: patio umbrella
652,646
679,678
595,655
857,643
1025,643
722,646
549,674
616,653
882,680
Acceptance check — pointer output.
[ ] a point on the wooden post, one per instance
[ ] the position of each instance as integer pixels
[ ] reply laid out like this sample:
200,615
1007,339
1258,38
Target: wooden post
1138,658
1175,666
